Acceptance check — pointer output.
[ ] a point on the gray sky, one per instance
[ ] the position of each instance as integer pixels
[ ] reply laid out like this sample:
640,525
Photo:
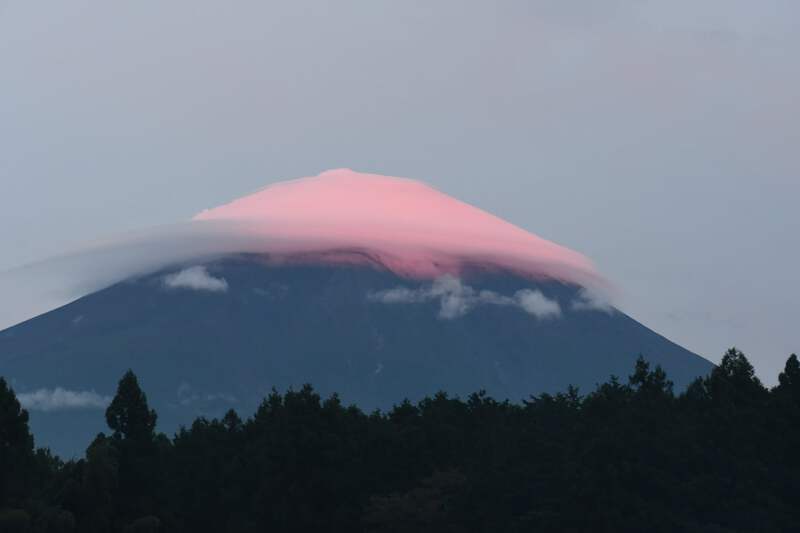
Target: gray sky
660,138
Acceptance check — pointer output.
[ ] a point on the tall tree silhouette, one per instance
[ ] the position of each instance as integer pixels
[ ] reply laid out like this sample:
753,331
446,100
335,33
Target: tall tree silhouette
134,440
789,380
129,415
734,381
16,447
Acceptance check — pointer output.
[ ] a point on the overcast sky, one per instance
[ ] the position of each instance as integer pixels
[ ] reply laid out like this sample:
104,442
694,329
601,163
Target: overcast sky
660,138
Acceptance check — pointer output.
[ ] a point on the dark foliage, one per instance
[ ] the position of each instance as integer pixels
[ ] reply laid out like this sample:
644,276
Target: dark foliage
628,457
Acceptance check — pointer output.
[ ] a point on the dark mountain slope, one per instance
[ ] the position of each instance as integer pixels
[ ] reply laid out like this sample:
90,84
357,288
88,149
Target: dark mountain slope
200,352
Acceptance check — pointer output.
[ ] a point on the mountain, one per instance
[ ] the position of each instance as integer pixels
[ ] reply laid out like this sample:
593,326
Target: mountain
374,287
208,336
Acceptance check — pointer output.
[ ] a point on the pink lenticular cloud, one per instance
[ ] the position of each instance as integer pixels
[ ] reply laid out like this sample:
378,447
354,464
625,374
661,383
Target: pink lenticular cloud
405,225
414,229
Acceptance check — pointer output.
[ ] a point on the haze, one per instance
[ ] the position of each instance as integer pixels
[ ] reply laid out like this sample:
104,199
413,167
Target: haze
657,138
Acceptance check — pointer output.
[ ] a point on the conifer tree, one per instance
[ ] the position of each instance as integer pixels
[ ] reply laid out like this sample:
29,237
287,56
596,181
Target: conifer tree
789,380
128,414
134,439
16,447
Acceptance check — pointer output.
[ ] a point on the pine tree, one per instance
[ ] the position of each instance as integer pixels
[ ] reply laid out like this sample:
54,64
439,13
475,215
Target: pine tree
650,382
734,381
137,450
789,380
129,415
16,448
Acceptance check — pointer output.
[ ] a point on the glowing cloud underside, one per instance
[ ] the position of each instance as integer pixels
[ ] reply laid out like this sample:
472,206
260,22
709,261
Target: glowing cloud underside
412,228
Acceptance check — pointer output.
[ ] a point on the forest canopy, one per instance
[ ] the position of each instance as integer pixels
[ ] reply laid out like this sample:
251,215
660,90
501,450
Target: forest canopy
629,456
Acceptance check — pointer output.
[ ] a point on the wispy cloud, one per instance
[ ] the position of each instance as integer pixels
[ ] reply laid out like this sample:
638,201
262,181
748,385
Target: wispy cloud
457,299
536,303
187,396
60,399
588,300
195,278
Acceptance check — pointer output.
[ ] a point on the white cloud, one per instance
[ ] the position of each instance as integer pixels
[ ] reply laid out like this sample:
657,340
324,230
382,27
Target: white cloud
399,295
457,299
536,303
60,399
591,301
195,278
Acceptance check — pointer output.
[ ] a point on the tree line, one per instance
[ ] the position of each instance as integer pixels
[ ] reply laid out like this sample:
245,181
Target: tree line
630,456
